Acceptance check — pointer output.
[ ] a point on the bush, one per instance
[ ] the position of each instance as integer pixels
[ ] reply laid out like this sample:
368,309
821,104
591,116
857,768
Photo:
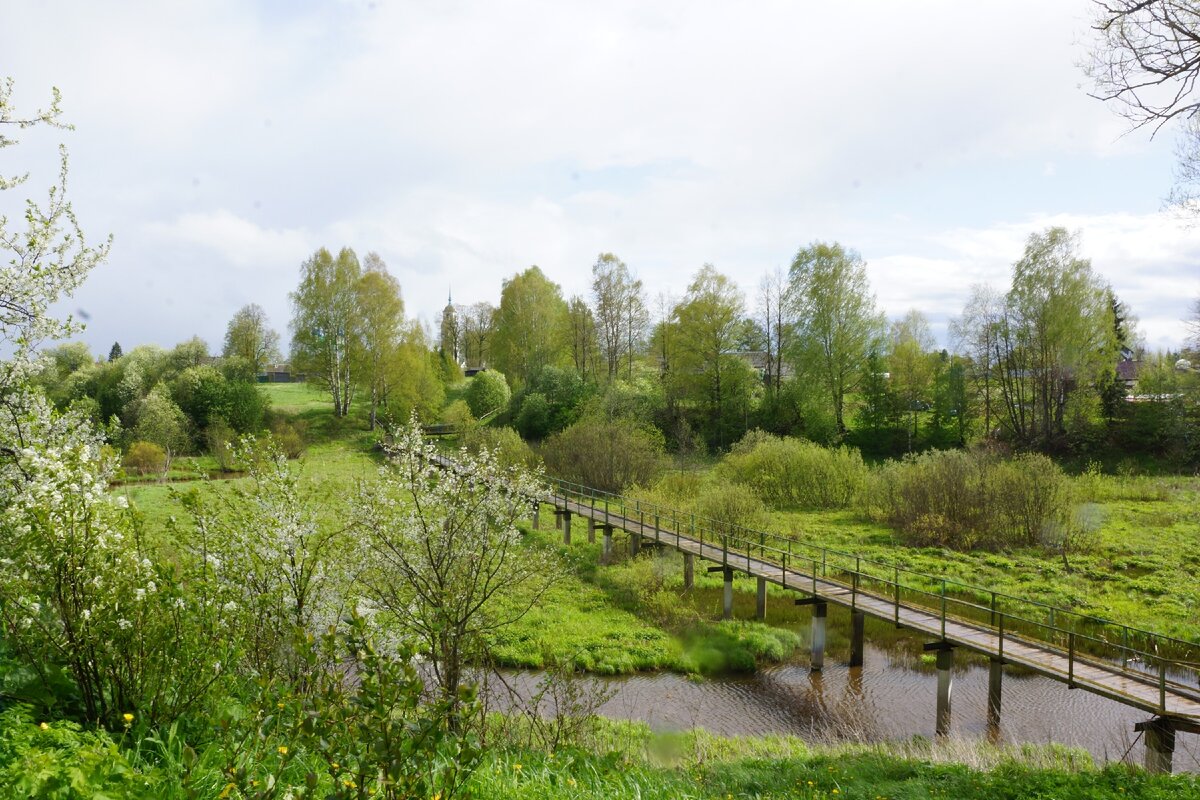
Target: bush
60,760
220,440
794,473
457,413
729,506
146,458
964,500
508,445
533,420
609,456
290,437
488,392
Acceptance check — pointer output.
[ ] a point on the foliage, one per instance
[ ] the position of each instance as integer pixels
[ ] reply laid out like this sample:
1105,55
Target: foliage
704,368
488,392
794,473
620,317
249,336
605,455
60,761
159,420
145,458
505,443
1057,334
325,324
79,592
372,737
730,506
533,420
530,325
836,321
972,499
440,545
274,561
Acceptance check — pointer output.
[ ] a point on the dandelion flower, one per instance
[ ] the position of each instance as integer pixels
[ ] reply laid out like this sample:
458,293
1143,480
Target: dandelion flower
127,717
44,726
283,750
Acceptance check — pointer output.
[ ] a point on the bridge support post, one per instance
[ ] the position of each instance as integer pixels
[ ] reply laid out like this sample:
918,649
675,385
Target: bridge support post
727,606
607,551
820,610
689,570
995,683
1160,743
857,623
945,686
566,527
635,544
592,525
760,609
558,515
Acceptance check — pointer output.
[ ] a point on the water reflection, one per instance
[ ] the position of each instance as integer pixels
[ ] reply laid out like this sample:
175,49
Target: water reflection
891,697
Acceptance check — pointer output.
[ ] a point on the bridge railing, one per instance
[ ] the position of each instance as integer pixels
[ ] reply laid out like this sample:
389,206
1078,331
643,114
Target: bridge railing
1154,658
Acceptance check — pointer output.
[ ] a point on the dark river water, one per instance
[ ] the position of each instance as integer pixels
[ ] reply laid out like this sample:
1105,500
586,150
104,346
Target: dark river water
892,697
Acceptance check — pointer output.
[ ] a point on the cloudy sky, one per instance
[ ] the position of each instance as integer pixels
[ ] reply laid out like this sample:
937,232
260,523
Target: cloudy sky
222,142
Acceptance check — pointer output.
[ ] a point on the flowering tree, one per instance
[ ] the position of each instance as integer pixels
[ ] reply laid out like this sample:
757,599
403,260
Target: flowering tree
266,545
77,591
442,547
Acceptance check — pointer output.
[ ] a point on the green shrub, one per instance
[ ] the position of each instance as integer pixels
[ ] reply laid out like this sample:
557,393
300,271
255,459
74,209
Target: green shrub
146,458
797,474
508,445
57,759
964,500
730,506
290,437
457,413
488,392
533,420
605,455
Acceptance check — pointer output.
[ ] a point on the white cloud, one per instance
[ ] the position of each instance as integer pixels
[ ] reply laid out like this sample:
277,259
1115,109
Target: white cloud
467,140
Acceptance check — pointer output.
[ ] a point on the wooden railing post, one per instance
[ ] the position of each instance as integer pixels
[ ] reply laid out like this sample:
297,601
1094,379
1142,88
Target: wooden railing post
943,609
1071,660
896,584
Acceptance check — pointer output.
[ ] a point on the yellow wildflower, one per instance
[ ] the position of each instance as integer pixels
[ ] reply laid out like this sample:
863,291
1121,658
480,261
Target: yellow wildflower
128,718
517,767
282,750
44,726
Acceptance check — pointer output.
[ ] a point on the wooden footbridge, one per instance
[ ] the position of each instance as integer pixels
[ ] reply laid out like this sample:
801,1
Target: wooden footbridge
1154,673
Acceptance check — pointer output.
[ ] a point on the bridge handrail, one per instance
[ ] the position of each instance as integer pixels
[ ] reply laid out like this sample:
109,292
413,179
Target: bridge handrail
735,538
998,616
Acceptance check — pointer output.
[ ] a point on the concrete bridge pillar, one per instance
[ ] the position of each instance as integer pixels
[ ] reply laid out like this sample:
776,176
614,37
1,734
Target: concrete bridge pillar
857,623
558,516
727,606
591,529
945,686
760,609
1160,743
607,550
635,544
820,610
566,527
689,570
995,683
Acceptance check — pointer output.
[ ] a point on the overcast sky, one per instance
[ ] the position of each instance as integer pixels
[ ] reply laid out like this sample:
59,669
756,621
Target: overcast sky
222,142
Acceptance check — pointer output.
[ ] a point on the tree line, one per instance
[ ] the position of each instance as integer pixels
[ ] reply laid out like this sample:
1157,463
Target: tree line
1034,364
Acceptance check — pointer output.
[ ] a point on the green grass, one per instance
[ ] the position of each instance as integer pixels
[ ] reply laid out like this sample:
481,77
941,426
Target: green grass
1139,569
626,760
